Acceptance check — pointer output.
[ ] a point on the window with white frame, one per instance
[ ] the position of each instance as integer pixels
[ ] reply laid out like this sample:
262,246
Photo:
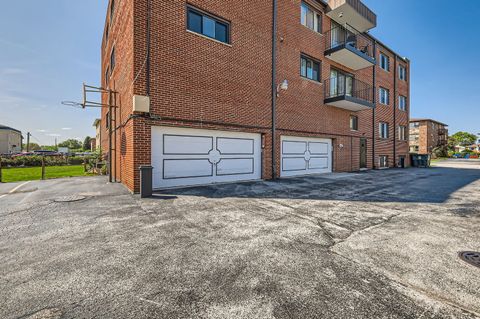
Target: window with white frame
384,62
402,133
383,161
402,103
402,72
311,18
384,96
383,130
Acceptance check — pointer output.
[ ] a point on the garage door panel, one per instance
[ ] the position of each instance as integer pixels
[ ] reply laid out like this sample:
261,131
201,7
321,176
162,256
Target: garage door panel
305,155
318,163
187,145
235,166
294,148
186,168
294,164
187,156
235,146
318,148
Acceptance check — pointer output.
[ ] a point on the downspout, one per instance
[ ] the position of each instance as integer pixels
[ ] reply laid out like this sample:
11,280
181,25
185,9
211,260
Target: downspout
395,113
374,128
274,88
147,66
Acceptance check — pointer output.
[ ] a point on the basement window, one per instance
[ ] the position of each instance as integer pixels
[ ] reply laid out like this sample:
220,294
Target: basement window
208,25
383,161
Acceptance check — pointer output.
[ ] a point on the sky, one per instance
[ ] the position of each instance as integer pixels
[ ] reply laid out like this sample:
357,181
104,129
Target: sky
49,48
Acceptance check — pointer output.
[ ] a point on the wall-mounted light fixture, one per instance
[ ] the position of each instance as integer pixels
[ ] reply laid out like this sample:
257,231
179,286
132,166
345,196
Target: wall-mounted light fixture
282,87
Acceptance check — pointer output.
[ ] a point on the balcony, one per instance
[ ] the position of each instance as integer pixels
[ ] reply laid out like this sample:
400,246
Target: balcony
353,12
348,47
348,93
442,131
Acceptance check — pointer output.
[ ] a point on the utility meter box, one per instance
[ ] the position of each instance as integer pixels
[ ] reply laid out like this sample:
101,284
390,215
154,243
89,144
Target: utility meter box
141,104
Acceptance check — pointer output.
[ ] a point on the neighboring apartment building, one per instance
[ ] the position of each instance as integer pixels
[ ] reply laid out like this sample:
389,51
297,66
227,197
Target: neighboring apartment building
204,93
10,140
426,135
98,135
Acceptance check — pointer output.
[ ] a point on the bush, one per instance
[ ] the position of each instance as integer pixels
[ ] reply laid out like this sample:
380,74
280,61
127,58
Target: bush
35,161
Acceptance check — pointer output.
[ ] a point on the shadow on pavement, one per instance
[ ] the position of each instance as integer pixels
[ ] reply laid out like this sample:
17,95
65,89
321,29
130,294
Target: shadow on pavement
431,185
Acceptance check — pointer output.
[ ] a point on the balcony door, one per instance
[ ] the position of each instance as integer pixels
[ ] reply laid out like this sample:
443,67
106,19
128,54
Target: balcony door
341,35
340,83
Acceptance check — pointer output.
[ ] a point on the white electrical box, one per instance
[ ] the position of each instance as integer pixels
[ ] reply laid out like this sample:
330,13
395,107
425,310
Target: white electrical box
141,104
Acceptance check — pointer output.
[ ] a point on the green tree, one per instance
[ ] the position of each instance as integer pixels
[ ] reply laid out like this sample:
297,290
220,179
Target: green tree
32,147
87,146
71,144
463,138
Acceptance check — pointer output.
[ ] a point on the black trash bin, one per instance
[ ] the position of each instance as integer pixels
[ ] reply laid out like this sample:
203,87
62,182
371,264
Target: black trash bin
421,160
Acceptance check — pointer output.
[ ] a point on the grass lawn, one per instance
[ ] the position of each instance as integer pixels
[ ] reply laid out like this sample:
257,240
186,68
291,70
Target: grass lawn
35,173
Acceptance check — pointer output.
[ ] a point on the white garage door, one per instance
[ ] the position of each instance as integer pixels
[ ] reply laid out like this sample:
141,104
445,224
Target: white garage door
183,157
302,156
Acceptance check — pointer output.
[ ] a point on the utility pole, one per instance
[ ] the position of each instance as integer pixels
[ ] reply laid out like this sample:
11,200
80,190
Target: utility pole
28,141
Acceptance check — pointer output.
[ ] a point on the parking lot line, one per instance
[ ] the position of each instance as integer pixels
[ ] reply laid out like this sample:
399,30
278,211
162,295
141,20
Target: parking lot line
15,189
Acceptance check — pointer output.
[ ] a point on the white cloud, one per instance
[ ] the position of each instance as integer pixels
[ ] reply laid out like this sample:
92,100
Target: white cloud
12,71
54,135
42,131
66,128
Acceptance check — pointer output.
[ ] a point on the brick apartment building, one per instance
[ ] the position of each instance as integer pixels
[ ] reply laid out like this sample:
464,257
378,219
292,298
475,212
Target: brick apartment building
426,135
205,93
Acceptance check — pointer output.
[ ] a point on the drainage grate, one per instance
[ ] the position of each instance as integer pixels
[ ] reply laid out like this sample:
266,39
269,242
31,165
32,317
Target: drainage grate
69,199
471,257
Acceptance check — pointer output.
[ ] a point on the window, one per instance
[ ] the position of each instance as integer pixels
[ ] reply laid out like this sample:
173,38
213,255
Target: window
383,161
402,103
414,125
402,133
112,61
384,96
383,130
310,18
354,122
112,10
384,62
207,25
107,120
309,68
106,34
107,75
402,72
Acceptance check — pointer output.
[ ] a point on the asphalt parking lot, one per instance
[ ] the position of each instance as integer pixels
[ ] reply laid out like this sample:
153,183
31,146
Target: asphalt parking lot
379,244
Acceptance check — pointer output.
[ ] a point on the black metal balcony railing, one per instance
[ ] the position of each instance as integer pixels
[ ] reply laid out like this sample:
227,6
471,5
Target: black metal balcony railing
348,37
348,87
442,131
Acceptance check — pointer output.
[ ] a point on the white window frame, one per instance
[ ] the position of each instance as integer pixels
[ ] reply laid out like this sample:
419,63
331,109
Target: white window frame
384,96
384,62
402,133
317,17
383,130
402,73
383,159
402,103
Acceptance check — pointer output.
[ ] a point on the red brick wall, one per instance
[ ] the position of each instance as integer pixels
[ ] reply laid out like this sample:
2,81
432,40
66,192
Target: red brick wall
199,82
